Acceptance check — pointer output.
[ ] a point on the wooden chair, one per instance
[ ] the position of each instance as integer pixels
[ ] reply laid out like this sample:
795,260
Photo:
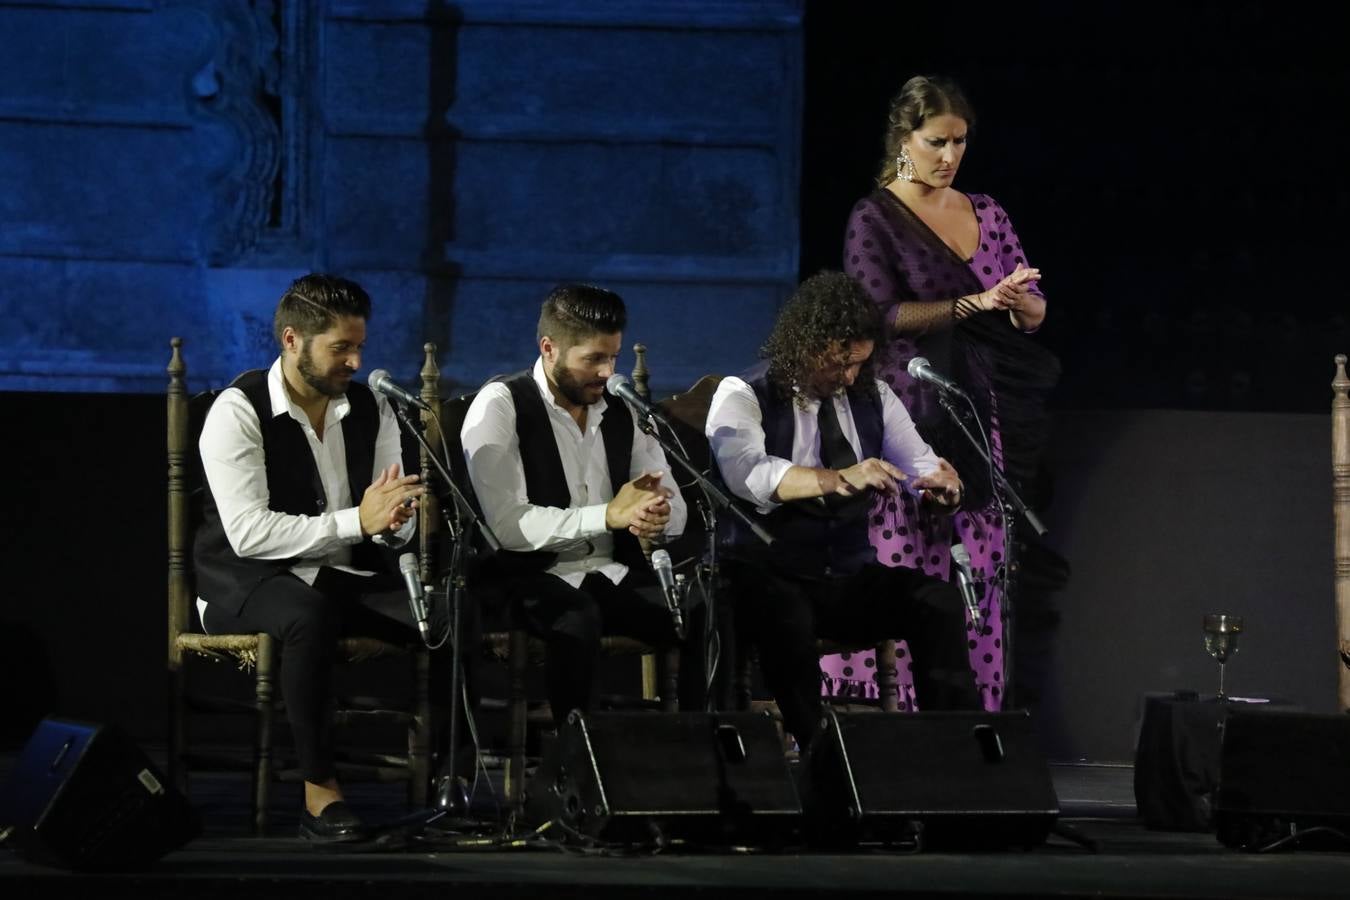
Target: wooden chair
258,652
1340,493
514,646
688,413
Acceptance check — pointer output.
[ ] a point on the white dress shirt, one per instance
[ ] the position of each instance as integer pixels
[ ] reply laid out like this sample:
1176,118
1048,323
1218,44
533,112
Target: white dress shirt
577,534
235,465
735,430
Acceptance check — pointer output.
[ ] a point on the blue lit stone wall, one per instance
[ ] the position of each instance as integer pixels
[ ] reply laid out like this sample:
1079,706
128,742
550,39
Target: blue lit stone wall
167,167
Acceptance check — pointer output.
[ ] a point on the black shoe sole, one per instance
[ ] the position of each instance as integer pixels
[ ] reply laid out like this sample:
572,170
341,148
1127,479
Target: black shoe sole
348,837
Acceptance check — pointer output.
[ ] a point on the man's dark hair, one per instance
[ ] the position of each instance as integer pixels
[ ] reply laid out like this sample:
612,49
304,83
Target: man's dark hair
826,313
314,302
573,312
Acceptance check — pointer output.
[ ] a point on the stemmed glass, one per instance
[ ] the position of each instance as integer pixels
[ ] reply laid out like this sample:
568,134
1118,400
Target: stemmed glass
1221,640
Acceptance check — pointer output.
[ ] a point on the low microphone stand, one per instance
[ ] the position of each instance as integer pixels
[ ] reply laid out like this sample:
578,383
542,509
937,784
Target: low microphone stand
717,500
460,525
1010,504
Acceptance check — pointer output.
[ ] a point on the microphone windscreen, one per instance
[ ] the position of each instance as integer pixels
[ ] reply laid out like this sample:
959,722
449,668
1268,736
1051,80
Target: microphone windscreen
917,365
407,563
960,555
615,382
660,559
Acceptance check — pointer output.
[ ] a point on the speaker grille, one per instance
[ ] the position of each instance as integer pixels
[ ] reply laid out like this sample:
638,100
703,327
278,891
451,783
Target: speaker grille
939,778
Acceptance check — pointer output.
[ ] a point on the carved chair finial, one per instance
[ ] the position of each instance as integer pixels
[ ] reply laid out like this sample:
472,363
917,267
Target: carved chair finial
640,373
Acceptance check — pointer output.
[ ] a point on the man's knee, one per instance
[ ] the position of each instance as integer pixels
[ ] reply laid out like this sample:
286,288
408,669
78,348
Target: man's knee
774,604
940,598
949,602
313,618
580,621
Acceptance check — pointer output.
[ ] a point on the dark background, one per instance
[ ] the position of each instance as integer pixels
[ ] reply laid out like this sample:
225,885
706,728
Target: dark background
1176,170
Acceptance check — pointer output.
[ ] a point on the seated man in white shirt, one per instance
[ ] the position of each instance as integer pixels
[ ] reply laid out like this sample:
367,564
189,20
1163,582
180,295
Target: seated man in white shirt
810,438
568,483
285,547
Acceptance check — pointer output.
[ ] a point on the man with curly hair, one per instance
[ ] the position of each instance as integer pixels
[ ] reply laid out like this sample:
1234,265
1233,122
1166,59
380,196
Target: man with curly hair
812,439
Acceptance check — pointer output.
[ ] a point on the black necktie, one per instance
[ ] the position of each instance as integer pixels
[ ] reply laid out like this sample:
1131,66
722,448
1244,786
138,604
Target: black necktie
835,450
837,453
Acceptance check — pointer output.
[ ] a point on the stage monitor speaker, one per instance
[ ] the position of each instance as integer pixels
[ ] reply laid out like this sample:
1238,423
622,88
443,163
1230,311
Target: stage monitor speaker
642,777
1280,775
933,780
84,797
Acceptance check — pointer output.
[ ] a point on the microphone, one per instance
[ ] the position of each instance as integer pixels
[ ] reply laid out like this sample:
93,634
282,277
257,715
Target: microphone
619,386
921,369
666,575
964,580
381,382
407,564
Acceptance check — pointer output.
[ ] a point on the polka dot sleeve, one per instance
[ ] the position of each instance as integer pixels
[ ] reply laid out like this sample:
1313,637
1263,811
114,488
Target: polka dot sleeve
1001,238
868,260
864,259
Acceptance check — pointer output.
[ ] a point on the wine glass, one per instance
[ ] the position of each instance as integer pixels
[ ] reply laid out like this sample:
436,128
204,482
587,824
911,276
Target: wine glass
1221,640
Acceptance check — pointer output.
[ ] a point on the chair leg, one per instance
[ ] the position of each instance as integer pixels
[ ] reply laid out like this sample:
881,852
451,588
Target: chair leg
887,687
419,732
264,677
670,680
517,705
741,689
178,774
651,686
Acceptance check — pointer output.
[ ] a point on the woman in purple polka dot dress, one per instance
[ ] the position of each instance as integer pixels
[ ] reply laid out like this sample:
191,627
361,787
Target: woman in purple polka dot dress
949,274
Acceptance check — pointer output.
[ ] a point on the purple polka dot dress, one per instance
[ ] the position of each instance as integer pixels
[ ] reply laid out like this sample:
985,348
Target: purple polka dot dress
897,259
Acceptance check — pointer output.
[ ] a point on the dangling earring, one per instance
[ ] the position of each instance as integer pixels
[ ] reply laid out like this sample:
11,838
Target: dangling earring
904,166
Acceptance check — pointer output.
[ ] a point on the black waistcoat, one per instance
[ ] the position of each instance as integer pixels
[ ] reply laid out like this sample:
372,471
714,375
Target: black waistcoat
293,487
545,479
810,542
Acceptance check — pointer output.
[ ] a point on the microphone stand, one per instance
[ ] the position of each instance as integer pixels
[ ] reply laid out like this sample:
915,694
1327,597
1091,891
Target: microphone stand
1010,504
716,500
460,525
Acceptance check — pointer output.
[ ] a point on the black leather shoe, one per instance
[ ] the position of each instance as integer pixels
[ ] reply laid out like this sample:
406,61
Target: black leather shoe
336,824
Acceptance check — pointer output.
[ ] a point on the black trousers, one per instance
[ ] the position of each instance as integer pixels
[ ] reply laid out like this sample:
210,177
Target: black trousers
784,615
571,622
307,621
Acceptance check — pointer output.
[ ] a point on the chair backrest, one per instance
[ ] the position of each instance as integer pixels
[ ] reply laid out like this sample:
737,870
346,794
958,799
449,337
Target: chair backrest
453,412
687,413
429,513
442,433
180,589
186,485
1340,491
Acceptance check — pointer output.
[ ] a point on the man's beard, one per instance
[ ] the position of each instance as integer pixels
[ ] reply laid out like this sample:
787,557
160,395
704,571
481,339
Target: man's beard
570,387
327,385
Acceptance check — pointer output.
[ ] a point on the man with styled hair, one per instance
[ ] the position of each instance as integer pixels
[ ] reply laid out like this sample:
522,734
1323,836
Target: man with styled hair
568,483
812,439
304,503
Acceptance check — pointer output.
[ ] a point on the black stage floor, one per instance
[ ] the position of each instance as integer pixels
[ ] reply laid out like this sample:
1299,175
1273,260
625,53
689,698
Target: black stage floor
1096,800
